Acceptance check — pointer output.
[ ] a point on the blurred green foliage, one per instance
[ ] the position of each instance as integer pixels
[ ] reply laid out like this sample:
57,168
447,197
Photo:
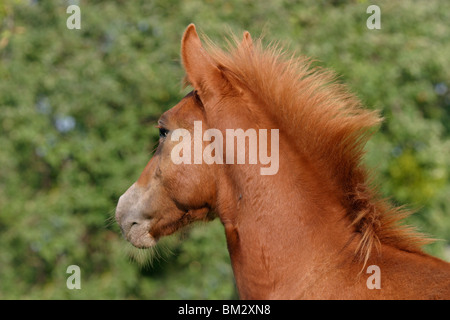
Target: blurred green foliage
77,115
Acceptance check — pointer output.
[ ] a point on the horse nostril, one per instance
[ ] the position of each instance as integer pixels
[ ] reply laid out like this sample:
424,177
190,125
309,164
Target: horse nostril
131,224
126,226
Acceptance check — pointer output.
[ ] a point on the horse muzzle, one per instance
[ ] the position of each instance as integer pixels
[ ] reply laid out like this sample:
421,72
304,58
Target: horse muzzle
134,225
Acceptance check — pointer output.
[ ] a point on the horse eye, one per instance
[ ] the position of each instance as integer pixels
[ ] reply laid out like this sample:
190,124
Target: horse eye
163,133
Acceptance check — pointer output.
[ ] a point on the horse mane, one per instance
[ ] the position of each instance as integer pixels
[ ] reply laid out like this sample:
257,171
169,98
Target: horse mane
326,122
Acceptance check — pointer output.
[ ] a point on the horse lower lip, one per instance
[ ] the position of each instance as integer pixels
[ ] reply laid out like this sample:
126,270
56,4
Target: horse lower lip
144,242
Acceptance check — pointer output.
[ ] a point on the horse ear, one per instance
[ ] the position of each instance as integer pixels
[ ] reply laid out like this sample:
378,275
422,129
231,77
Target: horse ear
247,41
201,71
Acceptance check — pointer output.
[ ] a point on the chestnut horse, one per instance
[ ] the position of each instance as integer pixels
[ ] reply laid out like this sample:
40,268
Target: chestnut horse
315,229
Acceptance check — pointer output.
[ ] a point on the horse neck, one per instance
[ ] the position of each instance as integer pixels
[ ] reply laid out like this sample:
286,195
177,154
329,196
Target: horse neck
283,231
